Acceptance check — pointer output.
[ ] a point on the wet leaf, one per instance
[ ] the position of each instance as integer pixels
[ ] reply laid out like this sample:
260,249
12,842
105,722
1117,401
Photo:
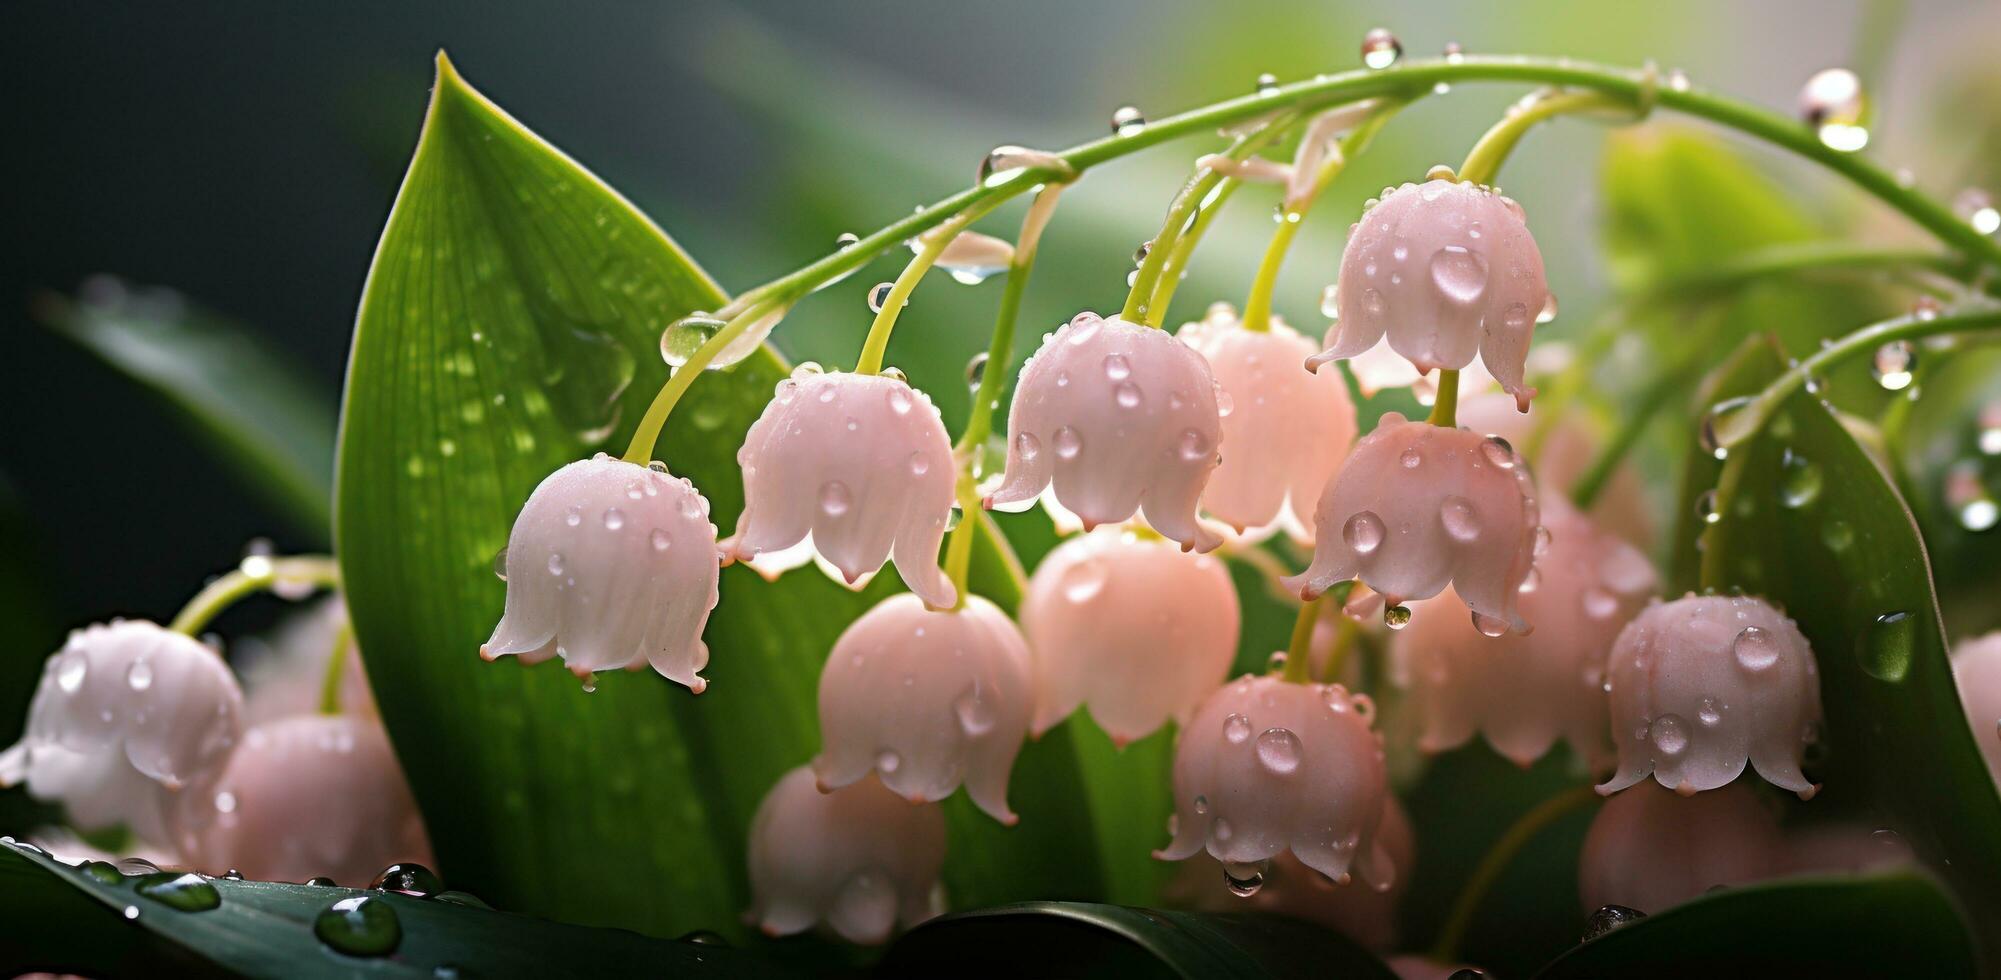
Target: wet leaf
1951,476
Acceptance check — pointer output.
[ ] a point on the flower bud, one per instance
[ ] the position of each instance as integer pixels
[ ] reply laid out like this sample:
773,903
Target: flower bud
310,795
1133,627
1112,417
1446,270
1288,429
125,715
1650,849
856,466
1266,766
1292,889
1976,667
610,566
926,698
1524,691
1701,684
858,858
1418,507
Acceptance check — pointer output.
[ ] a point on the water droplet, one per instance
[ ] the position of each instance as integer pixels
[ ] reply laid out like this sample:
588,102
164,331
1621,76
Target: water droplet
1705,507
1236,728
139,676
71,671
976,370
500,564
1892,365
1461,275
1201,803
660,539
1127,395
613,519
1837,535
1127,121
555,564
1599,604
1548,311
363,925
1083,581
1068,443
1755,648
467,899
1456,513
1799,480
1194,446
181,890
1278,751
835,499
1224,403
1266,84
1221,830
408,878
1330,305
1244,880
1709,714
1886,646
101,872
1117,368
1723,425
1027,446
1363,532
976,715
1380,48
685,336
879,295
846,240
1670,734
1396,617
807,369
1833,103
1489,626
888,761
1373,303
1608,918
1977,208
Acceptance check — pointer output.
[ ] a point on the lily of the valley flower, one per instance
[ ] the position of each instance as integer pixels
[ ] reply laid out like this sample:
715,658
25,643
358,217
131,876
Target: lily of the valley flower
1418,507
1446,270
126,715
1976,668
611,566
860,858
926,698
1523,692
1114,418
1288,428
311,795
1649,848
1266,766
857,466
1701,684
1131,626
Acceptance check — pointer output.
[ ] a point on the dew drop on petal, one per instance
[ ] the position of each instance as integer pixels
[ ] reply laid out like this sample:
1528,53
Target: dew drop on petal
1116,367
1236,728
1411,458
1755,648
1068,443
1278,751
1456,513
500,564
1243,880
1669,734
1498,452
613,519
1459,274
139,676
1194,446
1489,626
1363,532
888,761
555,564
661,540
1027,446
1127,395
835,498
1396,617
976,714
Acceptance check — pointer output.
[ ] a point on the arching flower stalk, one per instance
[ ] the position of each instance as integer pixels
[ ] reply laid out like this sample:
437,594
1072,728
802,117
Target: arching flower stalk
1703,684
611,566
1130,626
859,859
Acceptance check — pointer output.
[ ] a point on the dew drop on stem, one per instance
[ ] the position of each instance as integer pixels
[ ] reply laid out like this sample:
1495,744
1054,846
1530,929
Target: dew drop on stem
1380,48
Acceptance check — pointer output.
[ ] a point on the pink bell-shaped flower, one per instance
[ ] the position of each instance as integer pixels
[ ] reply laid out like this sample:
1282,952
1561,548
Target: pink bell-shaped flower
926,698
611,566
1379,368
1288,428
1131,626
308,795
1568,448
1114,418
1649,848
1701,684
1447,270
860,858
1522,692
1418,507
857,466
1976,667
1292,889
1266,766
126,715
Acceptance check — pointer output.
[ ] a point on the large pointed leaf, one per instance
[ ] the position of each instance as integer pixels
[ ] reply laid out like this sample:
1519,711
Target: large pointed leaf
1895,924
1062,939
1807,519
508,327
64,920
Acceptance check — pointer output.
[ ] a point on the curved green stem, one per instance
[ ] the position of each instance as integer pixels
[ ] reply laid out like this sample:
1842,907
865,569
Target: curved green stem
1445,408
1176,266
1299,653
1523,830
1735,424
647,433
1483,162
934,244
336,666
1257,306
257,574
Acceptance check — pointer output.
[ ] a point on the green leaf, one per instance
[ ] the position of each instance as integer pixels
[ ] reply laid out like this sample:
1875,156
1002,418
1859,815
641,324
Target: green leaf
1079,940
1948,477
508,327
1810,521
262,414
1895,924
265,929
1744,372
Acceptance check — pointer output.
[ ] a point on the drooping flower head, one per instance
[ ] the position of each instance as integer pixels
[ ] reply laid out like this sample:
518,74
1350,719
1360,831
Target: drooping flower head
611,566
1266,766
1288,428
1418,507
1649,848
310,795
1523,692
860,858
1130,626
1702,684
857,466
1289,888
1114,418
126,715
1446,270
1976,667
926,698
